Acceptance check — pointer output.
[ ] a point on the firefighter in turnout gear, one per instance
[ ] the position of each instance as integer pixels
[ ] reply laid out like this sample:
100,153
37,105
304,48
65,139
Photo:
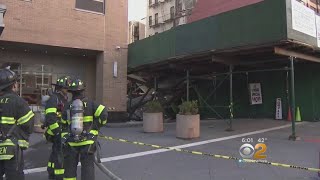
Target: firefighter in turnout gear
16,125
53,110
84,118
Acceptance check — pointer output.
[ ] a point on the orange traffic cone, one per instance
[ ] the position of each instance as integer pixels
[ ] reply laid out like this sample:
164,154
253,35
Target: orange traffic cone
289,114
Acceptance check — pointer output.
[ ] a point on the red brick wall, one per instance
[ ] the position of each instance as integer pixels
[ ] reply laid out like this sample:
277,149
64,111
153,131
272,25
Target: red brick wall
207,8
52,22
57,23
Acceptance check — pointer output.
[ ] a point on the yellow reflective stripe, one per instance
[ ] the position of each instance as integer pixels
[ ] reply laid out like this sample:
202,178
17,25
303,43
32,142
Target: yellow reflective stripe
69,122
23,143
54,126
70,178
25,118
87,118
102,122
7,120
83,143
7,142
94,132
51,110
63,121
50,132
99,111
63,134
6,157
59,171
51,164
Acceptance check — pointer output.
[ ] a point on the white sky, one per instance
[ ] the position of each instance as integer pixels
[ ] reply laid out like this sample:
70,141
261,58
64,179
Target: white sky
137,10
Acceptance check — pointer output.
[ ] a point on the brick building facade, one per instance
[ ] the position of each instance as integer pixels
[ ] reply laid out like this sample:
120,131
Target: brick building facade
44,39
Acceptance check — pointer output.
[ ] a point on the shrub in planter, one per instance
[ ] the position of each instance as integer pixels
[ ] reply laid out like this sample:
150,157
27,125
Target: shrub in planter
153,117
189,108
188,120
153,107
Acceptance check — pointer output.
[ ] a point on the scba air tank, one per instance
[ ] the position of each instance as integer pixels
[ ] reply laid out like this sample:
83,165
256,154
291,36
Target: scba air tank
77,117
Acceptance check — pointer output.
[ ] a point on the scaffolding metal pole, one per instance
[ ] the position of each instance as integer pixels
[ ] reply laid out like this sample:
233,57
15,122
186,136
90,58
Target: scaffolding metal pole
188,85
231,98
155,84
42,76
250,71
20,82
293,101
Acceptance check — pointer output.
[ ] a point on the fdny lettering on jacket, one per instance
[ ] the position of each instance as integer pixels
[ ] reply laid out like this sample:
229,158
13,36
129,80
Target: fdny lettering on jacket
4,100
3,150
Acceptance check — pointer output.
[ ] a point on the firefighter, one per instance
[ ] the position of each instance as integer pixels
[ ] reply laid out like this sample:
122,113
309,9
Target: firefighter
16,125
53,110
84,118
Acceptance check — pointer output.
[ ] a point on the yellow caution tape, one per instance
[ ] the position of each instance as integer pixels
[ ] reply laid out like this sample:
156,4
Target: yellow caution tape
211,155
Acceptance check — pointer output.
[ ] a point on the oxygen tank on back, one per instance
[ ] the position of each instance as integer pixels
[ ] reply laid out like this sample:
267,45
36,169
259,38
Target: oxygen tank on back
77,117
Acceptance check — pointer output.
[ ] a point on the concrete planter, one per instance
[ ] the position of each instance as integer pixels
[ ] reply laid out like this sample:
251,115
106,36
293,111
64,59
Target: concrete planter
152,122
188,126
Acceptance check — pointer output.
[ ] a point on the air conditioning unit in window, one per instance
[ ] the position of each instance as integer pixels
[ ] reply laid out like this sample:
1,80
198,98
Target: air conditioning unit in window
2,13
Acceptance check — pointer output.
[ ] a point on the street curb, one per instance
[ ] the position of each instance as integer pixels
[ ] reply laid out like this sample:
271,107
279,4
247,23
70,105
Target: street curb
140,123
125,124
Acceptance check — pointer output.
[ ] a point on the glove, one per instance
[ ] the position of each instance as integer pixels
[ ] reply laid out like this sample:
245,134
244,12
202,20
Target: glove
64,138
48,136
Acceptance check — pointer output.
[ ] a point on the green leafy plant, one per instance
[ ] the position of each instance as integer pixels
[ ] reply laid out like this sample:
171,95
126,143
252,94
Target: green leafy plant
189,108
153,107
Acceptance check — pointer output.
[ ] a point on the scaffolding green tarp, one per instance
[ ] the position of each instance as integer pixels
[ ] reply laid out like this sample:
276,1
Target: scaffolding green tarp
257,24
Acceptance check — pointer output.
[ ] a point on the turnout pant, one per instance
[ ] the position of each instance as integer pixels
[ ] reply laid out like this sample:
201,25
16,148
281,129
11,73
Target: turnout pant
55,163
12,169
72,156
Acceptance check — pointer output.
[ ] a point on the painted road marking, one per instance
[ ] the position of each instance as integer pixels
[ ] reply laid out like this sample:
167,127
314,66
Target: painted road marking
139,154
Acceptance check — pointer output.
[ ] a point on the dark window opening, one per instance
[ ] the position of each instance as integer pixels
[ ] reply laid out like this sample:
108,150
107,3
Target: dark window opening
91,5
150,20
172,12
156,19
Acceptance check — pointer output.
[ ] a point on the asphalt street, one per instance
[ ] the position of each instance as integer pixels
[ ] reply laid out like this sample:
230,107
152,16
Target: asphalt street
135,162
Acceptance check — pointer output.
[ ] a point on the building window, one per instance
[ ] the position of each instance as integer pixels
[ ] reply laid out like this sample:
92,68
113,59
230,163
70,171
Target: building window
46,81
156,19
172,12
91,5
150,20
150,2
136,29
155,1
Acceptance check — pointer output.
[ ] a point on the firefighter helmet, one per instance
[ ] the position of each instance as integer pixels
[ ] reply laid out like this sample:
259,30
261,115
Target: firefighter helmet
7,78
76,85
63,82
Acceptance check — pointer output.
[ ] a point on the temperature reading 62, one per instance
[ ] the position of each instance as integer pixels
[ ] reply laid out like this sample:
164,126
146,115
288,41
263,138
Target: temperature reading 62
262,140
